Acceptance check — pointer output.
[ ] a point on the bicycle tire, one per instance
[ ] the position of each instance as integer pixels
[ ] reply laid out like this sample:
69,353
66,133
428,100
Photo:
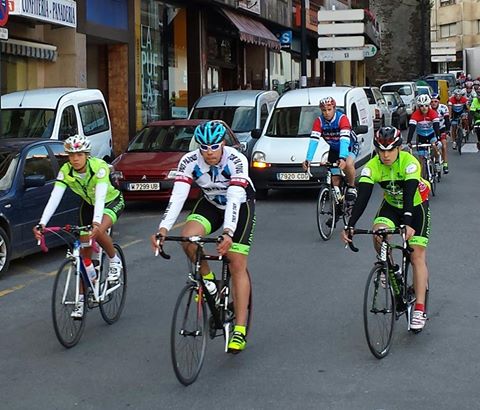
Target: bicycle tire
431,177
459,140
378,306
68,330
326,212
111,308
191,310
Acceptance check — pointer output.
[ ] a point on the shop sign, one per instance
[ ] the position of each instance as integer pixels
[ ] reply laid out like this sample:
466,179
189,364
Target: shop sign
3,33
253,6
285,38
61,12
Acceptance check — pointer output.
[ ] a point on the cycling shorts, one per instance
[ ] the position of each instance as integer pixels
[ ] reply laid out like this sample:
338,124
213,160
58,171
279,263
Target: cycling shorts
429,139
421,222
333,157
113,209
457,116
211,218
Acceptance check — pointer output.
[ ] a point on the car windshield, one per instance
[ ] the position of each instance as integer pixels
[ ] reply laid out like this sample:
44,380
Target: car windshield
391,100
399,88
162,138
291,122
8,164
239,119
371,98
27,123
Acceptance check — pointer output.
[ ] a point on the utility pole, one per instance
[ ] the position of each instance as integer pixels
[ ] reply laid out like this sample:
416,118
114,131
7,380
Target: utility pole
303,47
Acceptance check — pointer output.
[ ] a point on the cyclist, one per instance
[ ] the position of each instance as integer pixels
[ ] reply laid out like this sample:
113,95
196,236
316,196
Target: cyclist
444,124
229,200
102,204
458,106
336,130
405,203
425,121
475,111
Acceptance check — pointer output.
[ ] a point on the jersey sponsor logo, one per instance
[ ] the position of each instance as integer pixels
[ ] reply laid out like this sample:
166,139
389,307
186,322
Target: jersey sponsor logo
411,169
61,176
186,161
101,173
366,172
237,162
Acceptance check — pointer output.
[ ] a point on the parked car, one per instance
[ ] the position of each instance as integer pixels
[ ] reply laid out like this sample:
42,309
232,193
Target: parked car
28,170
398,110
147,169
58,113
407,90
242,110
378,107
282,145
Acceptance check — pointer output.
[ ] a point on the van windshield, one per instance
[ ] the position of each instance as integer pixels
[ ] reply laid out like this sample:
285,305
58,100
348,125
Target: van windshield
8,165
27,123
239,119
402,89
291,122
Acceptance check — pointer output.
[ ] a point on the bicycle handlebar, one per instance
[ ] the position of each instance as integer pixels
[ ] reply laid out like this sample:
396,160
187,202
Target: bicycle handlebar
383,232
70,229
192,239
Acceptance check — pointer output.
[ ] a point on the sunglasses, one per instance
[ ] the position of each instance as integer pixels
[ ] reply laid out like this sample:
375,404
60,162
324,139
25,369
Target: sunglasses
424,105
213,147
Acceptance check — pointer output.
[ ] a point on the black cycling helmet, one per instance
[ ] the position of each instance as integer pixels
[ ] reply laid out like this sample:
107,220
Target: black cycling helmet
387,138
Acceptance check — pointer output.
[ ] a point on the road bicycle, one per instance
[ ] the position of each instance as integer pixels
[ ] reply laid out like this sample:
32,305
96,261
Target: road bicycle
190,326
331,203
430,167
72,278
462,132
389,291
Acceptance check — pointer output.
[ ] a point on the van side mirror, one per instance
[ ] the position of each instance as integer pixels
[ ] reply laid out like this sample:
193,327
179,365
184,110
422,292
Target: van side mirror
256,133
360,129
34,181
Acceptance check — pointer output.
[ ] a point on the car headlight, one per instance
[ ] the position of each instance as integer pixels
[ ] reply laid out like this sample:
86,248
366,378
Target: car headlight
259,160
172,174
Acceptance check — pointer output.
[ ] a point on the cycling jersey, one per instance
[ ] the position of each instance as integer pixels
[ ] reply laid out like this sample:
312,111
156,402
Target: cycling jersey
225,185
443,113
424,123
468,95
335,132
93,187
459,106
475,109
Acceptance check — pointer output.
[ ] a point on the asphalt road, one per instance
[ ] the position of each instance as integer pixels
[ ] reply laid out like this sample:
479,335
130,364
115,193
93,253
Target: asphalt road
307,348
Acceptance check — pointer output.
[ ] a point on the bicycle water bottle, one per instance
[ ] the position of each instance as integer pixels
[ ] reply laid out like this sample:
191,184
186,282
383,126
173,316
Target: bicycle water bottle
90,269
212,289
338,194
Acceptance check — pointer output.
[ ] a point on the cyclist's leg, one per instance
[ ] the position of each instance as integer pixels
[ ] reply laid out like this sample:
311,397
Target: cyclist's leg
387,217
111,213
443,139
453,128
204,219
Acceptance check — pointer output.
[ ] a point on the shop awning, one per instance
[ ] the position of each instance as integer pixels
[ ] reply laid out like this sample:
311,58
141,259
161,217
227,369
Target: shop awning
252,31
30,49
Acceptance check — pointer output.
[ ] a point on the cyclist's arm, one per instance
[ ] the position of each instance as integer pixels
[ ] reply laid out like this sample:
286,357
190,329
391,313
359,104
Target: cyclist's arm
436,128
100,195
52,204
446,117
411,130
236,195
409,189
314,138
175,205
345,130
364,192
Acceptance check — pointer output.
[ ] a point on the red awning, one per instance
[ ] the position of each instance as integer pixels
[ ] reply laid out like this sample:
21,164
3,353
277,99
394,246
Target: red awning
252,31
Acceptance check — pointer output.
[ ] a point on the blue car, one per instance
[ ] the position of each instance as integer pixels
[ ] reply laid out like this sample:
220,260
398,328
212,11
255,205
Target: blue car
28,169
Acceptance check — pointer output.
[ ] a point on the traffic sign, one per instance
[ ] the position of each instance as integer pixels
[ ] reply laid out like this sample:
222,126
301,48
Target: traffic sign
443,51
341,42
369,50
443,59
3,33
348,54
3,12
341,15
341,28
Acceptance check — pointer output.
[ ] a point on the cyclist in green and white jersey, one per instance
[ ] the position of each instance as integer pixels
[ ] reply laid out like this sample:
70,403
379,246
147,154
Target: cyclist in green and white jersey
475,112
405,203
102,203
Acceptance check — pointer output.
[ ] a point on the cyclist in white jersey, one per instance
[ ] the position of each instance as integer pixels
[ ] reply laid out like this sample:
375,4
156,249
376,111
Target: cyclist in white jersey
444,117
228,200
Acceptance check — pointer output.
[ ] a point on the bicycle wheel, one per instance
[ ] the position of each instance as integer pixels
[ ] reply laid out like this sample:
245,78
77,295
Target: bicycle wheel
378,312
431,176
67,329
459,139
326,213
188,337
112,306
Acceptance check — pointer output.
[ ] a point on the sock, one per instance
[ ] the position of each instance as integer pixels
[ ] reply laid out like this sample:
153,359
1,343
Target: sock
81,297
240,329
420,307
209,276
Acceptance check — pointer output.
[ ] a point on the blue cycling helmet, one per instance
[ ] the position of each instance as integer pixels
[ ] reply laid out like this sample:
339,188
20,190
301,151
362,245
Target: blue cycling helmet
435,96
211,132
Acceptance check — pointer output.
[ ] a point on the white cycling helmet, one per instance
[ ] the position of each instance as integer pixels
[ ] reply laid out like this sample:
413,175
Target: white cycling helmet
77,143
424,99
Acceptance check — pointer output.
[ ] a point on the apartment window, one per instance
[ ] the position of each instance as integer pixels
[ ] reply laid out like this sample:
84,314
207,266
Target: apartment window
448,30
444,3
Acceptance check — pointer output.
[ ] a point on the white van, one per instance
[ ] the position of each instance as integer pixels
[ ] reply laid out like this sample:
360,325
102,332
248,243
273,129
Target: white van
408,93
58,113
242,110
282,145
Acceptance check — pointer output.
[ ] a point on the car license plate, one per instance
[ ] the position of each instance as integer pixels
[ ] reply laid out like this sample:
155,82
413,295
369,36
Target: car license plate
293,176
144,186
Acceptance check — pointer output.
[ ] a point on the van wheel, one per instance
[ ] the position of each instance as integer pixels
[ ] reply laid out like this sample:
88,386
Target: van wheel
5,251
261,194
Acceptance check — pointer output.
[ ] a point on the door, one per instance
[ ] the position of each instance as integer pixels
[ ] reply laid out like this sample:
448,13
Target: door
96,127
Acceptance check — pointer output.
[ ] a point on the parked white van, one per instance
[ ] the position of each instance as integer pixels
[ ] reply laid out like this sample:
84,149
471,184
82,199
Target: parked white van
242,110
408,93
58,113
282,145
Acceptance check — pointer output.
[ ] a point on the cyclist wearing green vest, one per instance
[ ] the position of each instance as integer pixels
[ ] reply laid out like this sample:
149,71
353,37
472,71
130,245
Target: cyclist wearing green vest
475,112
102,203
405,203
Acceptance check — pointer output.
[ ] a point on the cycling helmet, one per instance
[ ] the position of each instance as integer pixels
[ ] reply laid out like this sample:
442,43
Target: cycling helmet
469,84
77,143
424,99
387,138
435,96
476,83
327,101
210,132
457,92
